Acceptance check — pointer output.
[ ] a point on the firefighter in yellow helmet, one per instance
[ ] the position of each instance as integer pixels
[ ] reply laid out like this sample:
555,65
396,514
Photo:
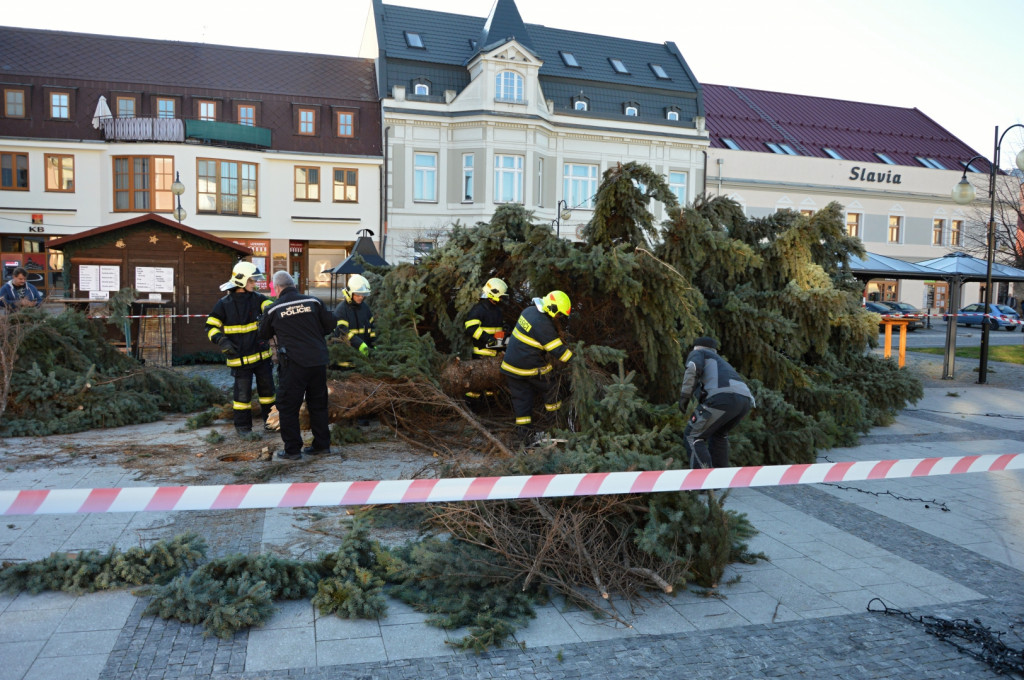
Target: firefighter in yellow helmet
527,364
232,325
355,323
484,323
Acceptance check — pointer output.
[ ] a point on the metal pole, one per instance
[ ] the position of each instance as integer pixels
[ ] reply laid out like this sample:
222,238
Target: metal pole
993,169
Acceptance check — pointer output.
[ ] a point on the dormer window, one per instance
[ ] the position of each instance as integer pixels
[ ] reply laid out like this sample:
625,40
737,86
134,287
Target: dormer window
631,109
421,87
672,114
659,72
618,66
569,59
580,103
508,87
414,40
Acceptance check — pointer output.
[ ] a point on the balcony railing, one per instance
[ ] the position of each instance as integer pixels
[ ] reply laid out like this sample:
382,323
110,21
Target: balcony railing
143,130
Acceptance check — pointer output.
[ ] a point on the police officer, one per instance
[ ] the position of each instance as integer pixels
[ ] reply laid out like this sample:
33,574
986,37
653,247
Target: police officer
355,318
300,324
724,400
232,325
484,324
526,365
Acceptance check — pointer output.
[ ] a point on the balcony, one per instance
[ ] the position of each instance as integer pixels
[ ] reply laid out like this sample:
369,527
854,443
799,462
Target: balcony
178,130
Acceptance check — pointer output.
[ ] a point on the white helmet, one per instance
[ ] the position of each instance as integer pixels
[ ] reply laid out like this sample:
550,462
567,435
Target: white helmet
494,289
358,285
241,274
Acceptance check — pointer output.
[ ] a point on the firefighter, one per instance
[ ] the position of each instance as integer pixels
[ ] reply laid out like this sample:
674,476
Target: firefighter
526,365
724,401
300,323
355,318
484,324
232,325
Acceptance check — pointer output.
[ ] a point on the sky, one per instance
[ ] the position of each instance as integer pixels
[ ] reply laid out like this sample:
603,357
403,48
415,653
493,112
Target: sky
957,62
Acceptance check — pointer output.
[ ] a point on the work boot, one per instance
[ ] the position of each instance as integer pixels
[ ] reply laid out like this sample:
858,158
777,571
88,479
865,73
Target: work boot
310,451
243,431
284,455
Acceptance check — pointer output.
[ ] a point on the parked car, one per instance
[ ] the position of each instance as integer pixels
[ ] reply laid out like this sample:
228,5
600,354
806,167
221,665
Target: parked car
1002,316
905,310
888,313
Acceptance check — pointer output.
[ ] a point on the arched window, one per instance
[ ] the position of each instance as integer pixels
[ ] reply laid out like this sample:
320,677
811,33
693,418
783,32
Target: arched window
632,111
580,105
508,87
421,89
672,115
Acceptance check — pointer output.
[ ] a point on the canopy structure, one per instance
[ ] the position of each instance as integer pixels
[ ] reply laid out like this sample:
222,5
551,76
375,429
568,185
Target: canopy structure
880,266
969,268
364,249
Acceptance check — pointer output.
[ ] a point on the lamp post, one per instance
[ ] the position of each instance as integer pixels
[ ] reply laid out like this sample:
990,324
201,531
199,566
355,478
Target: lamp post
177,188
963,193
562,212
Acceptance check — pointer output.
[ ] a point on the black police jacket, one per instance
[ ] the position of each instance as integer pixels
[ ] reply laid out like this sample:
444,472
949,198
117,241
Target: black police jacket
236,316
299,322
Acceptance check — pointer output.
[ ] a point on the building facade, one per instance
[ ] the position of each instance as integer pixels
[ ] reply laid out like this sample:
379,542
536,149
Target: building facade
480,111
277,151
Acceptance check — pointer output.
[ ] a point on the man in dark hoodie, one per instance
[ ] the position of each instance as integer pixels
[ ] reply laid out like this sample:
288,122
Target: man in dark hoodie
724,400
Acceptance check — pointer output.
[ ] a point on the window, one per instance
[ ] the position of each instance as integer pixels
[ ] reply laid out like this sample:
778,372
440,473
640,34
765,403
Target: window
671,115
569,60
60,172
421,249
414,40
14,103
935,164
579,184
226,187
632,110
165,108
207,110
832,153
344,123
307,121
659,72
618,65
467,178
955,231
774,147
938,227
13,171
346,185
424,178
731,144
307,183
143,183
247,115
580,105
969,166
784,149
508,179
677,185
895,221
508,87
60,105
540,182
885,159
853,224
126,107
807,213
421,89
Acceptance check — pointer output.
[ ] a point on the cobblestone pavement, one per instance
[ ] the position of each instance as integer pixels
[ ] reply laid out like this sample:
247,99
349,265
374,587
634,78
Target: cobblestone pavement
832,549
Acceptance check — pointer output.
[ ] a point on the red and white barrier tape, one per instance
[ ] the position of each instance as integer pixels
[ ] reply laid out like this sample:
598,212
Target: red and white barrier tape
312,494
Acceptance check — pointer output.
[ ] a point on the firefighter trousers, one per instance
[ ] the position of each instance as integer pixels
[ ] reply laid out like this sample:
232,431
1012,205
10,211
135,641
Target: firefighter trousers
243,375
523,390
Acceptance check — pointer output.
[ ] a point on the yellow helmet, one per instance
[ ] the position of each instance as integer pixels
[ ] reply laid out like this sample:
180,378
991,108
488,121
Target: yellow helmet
494,289
358,285
241,274
556,302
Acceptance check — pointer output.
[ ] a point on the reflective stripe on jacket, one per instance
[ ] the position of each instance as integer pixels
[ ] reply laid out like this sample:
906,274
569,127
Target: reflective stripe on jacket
482,322
533,338
236,316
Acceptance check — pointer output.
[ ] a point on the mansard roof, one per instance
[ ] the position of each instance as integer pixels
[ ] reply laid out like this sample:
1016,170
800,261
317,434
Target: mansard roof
503,24
856,131
115,59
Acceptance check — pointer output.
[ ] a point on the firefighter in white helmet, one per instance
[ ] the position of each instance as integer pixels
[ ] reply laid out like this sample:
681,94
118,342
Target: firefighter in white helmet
232,326
354,317
485,324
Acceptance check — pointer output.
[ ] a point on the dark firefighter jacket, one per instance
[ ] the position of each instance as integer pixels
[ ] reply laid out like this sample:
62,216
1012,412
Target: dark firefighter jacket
236,316
532,338
483,322
300,323
355,322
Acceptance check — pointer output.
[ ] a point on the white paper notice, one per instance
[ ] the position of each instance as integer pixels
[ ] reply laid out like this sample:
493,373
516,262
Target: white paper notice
144,279
154,279
110,278
88,277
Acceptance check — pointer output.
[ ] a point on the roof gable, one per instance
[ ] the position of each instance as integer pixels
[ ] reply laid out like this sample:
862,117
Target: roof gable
61,243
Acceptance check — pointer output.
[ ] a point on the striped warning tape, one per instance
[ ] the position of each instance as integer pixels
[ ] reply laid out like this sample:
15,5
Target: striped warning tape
312,494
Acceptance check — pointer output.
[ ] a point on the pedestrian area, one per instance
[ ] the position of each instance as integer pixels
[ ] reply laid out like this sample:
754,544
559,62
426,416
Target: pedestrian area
948,546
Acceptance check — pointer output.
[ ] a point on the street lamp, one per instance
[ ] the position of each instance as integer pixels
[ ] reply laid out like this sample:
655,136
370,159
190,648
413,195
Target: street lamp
562,213
177,188
963,193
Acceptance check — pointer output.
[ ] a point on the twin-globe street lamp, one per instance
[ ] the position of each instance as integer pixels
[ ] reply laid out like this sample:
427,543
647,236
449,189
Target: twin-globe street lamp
177,188
963,193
